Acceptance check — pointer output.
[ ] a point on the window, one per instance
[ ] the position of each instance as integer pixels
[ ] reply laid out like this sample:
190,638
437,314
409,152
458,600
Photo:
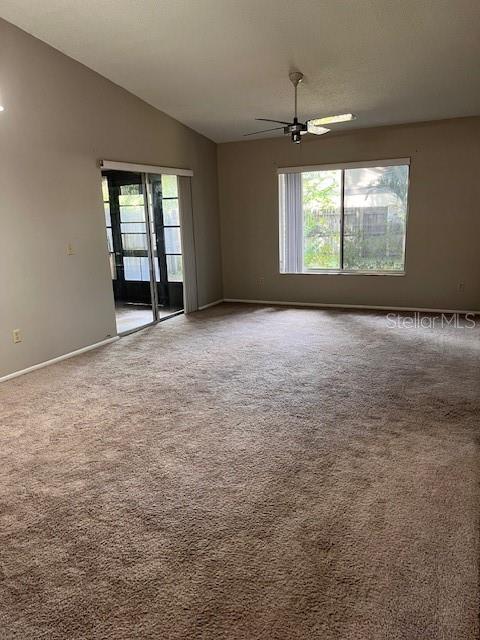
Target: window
133,230
171,228
349,218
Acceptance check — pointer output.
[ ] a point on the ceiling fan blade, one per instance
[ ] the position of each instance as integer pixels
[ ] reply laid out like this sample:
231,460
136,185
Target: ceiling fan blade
343,117
254,133
269,120
315,129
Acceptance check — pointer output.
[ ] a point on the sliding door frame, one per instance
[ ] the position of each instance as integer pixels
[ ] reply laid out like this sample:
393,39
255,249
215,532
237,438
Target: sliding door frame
190,288
150,247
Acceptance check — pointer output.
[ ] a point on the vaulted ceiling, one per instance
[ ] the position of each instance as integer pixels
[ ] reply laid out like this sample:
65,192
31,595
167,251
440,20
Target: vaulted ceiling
217,64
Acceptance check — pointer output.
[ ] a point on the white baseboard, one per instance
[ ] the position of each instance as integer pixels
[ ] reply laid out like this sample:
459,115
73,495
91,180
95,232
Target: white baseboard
210,304
322,305
66,356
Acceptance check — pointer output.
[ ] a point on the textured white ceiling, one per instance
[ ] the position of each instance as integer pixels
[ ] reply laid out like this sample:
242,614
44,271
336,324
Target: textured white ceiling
217,64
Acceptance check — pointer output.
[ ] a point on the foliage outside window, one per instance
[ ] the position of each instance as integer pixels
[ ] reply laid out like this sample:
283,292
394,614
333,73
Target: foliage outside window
350,219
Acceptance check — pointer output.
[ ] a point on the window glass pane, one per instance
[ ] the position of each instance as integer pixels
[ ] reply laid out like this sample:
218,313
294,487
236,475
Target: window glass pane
109,240
134,241
169,186
174,268
131,213
172,240
133,227
106,208
170,212
113,268
131,200
134,189
105,189
136,269
321,198
375,218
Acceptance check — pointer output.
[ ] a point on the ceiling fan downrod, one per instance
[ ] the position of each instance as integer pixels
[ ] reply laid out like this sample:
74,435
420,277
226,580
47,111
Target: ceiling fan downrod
296,128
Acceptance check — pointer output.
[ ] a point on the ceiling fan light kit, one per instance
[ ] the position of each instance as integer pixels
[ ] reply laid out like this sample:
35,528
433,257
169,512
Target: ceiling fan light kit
296,129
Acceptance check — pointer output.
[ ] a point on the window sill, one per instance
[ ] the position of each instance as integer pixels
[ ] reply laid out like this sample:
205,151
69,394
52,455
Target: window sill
333,272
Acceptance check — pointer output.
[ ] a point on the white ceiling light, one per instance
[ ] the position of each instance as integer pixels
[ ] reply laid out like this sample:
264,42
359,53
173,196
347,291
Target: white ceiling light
2,108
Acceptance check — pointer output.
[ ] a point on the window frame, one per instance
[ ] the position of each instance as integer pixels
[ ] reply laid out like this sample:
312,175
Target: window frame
172,226
283,171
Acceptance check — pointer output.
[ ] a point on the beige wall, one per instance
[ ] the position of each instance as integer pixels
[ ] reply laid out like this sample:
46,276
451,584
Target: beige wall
60,119
443,235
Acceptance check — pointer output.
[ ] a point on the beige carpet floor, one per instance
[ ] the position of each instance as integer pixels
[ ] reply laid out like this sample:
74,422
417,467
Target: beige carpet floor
246,473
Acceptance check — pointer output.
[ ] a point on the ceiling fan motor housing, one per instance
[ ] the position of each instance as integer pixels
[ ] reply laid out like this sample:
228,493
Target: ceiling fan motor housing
296,130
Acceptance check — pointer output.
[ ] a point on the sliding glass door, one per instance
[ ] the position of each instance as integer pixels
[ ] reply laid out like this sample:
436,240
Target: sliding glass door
142,239
163,190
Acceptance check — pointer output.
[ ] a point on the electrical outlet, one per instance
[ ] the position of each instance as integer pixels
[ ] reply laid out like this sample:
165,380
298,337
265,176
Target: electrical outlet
461,286
16,336
70,249
261,281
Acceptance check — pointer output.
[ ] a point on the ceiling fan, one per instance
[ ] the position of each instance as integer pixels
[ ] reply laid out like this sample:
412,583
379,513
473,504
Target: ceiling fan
297,129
